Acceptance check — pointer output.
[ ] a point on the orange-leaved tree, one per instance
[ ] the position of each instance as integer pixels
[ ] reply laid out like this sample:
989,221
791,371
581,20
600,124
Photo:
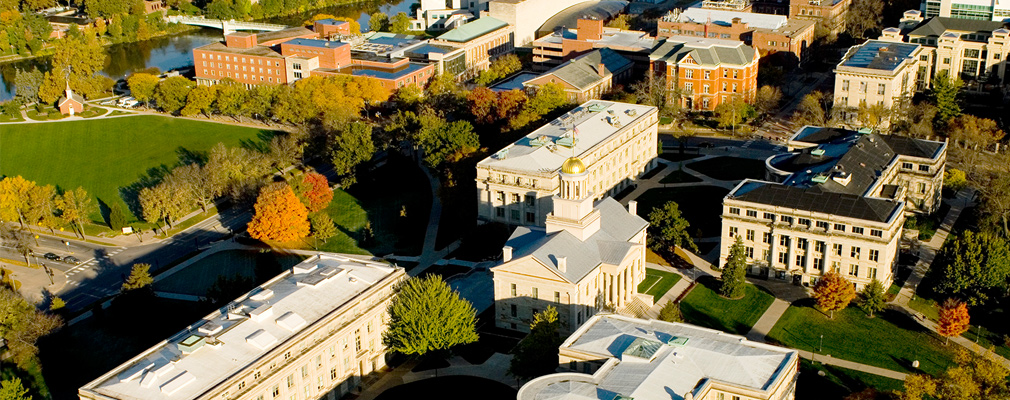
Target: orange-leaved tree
954,319
833,292
314,191
279,216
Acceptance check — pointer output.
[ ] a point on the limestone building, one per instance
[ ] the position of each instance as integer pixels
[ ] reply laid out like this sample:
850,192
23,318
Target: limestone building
829,13
616,141
312,332
986,10
708,72
588,257
837,201
482,40
877,73
617,357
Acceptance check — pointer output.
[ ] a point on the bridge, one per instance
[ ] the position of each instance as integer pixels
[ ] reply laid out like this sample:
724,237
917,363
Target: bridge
229,26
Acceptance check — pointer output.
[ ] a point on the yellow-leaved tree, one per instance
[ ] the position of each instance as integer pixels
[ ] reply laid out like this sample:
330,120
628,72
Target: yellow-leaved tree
833,292
279,215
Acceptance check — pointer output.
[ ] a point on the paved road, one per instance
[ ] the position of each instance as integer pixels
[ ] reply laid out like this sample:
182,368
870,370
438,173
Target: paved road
669,141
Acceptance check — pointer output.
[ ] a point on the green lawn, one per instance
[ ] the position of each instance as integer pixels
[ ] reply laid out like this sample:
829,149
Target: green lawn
678,156
701,205
11,118
678,176
837,383
730,168
891,340
47,114
201,275
119,112
658,282
92,112
106,156
704,306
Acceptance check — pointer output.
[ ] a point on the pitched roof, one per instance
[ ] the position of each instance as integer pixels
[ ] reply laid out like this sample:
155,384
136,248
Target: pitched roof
74,96
583,72
608,245
936,26
815,199
473,30
913,147
709,52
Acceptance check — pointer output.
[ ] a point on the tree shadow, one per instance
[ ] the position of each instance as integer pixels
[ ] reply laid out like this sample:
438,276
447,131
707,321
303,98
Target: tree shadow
105,210
187,156
131,193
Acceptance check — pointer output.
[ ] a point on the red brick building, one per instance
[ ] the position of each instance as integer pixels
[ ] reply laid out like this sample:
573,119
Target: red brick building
246,58
71,103
708,72
830,13
331,28
776,35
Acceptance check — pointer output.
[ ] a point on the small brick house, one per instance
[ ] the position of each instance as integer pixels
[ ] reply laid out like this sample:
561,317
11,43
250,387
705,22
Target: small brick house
71,103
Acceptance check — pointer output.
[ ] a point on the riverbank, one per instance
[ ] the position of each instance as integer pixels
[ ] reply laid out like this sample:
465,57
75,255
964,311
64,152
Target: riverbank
177,29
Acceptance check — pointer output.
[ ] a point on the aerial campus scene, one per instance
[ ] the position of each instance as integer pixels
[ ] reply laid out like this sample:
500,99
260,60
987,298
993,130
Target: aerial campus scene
504,199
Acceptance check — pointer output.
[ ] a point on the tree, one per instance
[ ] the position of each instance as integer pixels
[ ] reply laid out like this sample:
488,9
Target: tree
14,198
734,273
974,267
230,96
12,389
954,319
732,113
482,101
537,353
447,141
165,201
913,119
833,292
670,312
27,84
871,116
194,181
55,304
974,131
668,229
287,149
279,215
547,98
811,110
864,16
378,22
944,96
23,324
400,23
917,386
75,205
199,100
500,68
117,219
171,93
76,61
427,316
355,26
874,297
622,22
767,99
314,191
142,86
349,148
954,179
140,278
322,226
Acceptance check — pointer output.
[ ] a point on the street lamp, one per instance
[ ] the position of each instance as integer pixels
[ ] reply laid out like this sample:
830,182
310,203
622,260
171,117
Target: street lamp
67,242
820,347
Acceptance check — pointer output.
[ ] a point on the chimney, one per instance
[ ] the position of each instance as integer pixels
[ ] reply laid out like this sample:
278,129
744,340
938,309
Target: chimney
633,207
506,254
601,69
589,29
562,264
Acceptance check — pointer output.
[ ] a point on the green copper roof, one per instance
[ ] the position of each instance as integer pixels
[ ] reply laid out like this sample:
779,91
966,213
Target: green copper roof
473,30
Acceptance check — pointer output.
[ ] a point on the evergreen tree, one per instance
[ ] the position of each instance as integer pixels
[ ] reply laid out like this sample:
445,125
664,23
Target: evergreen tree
874,297
349,148
427,316
140,278
833,292
944,95
974,267
537,353
668,229
670,312
734,274
117,219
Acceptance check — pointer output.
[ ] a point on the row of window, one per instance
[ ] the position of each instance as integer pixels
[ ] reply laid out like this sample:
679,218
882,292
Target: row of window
817,263
257,61
269,71
805,222
689,73
881,88
534,293
689,87
803,243
244,76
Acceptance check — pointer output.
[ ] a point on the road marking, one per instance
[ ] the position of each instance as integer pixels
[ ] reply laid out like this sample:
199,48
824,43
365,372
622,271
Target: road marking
747,144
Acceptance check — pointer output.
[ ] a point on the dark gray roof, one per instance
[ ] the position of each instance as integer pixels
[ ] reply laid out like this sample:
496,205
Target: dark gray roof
708,52
583,72
816,200
937,25
878,54
907,146
608,245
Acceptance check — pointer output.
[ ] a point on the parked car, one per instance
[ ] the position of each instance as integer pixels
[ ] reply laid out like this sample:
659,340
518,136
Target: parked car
52,256
71,260
706,145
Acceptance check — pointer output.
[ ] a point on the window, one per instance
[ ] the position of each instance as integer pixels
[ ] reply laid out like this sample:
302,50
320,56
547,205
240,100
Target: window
704,102
997,56
881,88
874,255
801,243
515,215
752,213
769,216
924,58
857,230
784,240
705,90
689,87
291,380
853,270
946,60
725,73
801,260
749,251
298,75
840,227
513,290
499,212
735,73
515,197
750,234
782,258
923,168
921,188
708,74
787,219
287,355
876,232
854,252
971,53
734,210
557,297
765,254
818,264
724,86
767,237
256,375
536,293
515,311
276,391
734,88
531,217
241,385
689,73
872,272
733,231
837,249
862,87
357,340
836,266
906,165
531,200
822,225
805,222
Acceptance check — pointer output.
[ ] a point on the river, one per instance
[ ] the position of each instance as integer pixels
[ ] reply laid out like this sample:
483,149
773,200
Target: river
176,51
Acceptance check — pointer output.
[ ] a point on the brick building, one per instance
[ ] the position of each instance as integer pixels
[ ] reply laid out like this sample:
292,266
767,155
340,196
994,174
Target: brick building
707,71
768,34
830,13
554,49
588,76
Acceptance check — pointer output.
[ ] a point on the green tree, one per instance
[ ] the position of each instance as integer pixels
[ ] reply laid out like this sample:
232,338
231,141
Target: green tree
140,277
322,226
349,148
670,312
378,22
199,100
23,324
732,113
76,61
117,219
142,86
734,273
537,353
974,267
230,97
11,389
448,141
171,93
400,23
427,316
944,96
547,98
954,179
27,84
668,229
874,297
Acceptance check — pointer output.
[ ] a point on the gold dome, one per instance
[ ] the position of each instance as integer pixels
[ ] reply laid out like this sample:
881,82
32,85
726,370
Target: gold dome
573,166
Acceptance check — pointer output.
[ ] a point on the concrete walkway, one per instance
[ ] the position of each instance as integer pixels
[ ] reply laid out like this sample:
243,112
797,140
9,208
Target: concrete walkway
429,254
494,368
829,360
764,325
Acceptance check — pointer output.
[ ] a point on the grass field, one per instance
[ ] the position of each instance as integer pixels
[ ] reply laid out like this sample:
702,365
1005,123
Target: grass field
657,283
678,176
730,168
11,117
701,205
678,156
891,340
201,275
837,383
106,155
705,307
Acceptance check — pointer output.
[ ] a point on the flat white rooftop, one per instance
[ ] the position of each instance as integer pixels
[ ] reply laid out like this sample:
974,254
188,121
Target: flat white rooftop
650,359
576,133
725,17
223,343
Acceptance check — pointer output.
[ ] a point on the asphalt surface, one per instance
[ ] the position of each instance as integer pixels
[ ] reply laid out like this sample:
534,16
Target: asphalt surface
669,141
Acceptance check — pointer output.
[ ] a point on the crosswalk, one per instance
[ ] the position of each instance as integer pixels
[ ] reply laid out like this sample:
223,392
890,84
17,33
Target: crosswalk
92,262
97,291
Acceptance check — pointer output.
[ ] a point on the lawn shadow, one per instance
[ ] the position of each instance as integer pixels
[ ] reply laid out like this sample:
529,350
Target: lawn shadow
187,156
131,193
261,143
105,210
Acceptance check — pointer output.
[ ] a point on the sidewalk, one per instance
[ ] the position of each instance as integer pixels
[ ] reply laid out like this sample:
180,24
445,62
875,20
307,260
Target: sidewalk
494,368
35,282
928,250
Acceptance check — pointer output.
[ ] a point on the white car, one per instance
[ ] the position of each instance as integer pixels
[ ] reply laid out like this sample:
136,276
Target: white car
126,102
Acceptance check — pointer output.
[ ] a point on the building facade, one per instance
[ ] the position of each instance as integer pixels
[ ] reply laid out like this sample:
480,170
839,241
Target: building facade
587,258
986,10
836,202
770,35
565,44
617,141
588,76
707,72
877,73
482,40
831,14
617,357
310,333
